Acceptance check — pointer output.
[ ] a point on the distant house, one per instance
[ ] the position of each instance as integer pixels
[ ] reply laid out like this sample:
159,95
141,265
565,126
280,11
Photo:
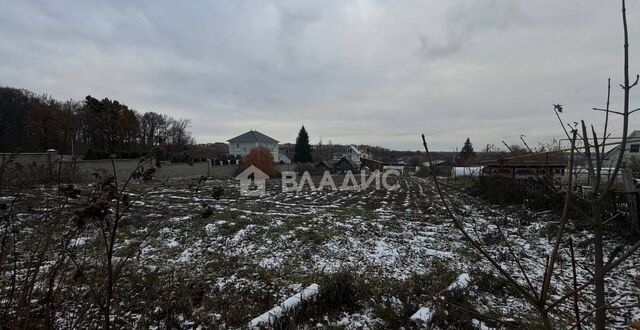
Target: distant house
242,144
353,154
283,159
632,149
324,166
366,154
345,164
439,167
372,164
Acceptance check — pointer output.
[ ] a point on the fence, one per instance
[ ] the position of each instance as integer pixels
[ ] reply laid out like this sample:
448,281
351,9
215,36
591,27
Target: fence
50,165
541,194
124,167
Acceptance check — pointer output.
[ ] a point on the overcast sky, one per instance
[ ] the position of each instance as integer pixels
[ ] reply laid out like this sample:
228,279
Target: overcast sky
362,72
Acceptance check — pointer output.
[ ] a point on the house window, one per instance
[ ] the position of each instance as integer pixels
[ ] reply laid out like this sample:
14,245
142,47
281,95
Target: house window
634,148
238,145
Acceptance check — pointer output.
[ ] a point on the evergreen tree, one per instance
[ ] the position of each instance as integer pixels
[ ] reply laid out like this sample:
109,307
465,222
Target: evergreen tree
302,148
466,154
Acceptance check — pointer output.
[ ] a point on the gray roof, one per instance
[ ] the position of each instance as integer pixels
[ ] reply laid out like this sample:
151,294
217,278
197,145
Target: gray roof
355,150
283,155
634,137
253,136
348,160
434,162
327,163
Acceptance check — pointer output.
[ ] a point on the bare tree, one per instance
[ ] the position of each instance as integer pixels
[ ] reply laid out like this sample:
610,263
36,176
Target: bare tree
151,124
601,188
593,150
179,132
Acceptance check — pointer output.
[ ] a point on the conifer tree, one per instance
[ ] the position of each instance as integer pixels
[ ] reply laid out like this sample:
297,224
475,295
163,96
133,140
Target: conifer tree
466,154
302,148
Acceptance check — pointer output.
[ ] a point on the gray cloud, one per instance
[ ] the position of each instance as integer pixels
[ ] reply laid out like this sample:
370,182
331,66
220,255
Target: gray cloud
361,71
468,19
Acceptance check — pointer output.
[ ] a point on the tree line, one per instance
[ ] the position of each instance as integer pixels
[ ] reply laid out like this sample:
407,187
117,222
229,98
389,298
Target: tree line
96,128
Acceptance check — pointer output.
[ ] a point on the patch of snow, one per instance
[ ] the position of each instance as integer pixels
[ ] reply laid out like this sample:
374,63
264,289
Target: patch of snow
186,256
423,316
172,243
462,282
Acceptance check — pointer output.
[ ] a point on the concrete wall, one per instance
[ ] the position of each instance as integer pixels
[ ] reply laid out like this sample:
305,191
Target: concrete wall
124,168
82,170
30,158
285,167
49,165
28,167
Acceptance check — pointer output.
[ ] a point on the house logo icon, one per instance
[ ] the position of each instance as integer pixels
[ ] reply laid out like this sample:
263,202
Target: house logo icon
252,182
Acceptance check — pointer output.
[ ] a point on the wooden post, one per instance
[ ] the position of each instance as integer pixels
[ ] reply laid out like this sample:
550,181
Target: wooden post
273,317
630,192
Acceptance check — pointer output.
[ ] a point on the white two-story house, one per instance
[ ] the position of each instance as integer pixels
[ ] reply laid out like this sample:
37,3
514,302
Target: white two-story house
353,154
242,144
632,150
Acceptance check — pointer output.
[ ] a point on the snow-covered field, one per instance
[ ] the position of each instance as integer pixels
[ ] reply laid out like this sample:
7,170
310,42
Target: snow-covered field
377,255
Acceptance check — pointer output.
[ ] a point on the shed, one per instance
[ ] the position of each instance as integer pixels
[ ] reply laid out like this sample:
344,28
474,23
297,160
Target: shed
373,165
438,167
283,159
324,166
345,164
534,171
